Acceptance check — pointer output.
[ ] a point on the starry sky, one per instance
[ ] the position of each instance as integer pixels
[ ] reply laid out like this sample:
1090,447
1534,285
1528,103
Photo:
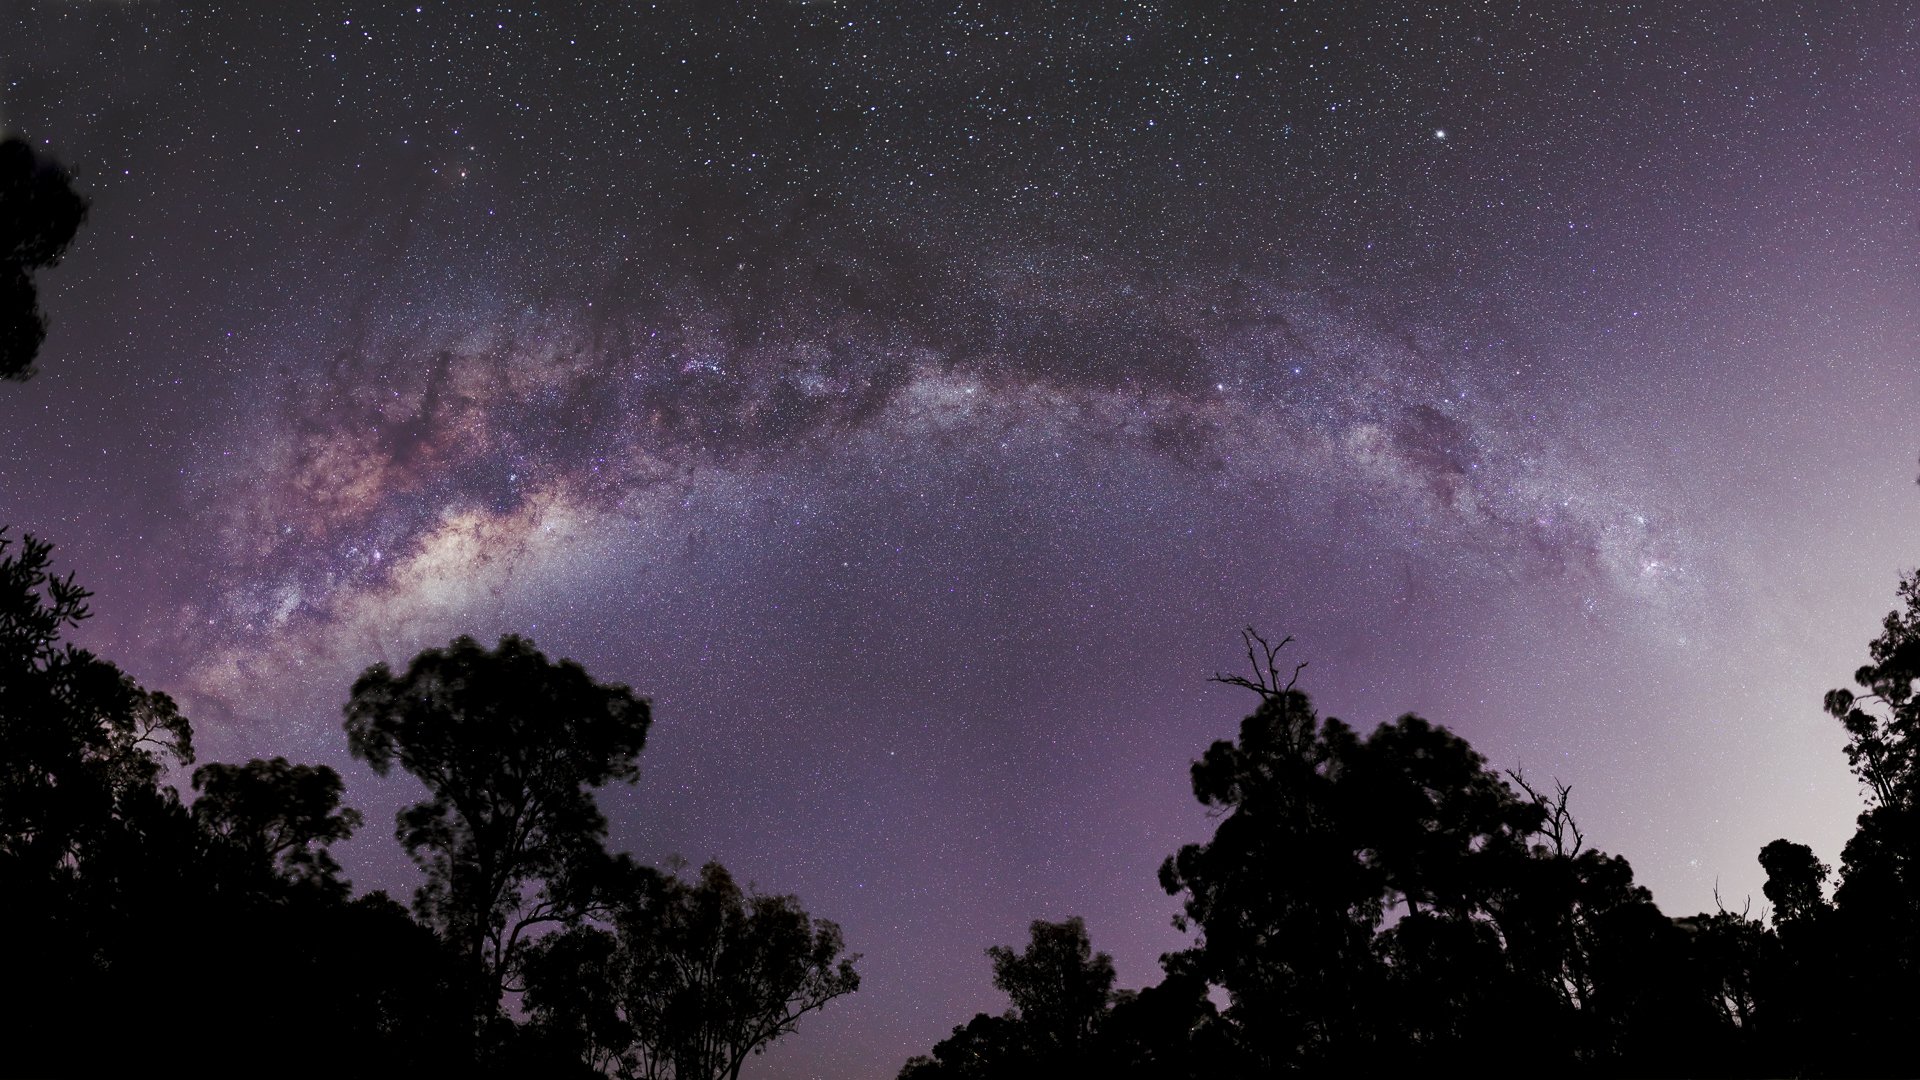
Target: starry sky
915,399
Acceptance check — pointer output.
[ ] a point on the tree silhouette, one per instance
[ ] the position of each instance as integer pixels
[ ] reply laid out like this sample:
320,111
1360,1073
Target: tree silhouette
1848,973
1880,866
1380,904
1321,833
39,214
1794,880
987,1047
234,907
276,821
509,745
1058,985
1169,1031
1060,991
80,743
574,993
1066,1019
693,979
1881,723
1291,942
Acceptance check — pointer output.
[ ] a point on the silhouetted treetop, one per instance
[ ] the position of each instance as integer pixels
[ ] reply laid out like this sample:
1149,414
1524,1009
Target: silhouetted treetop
276,818
692,980
1319,833
1794,881
509,745
78,738
1883,722
39,214
1387,901
1062,1000
1058,985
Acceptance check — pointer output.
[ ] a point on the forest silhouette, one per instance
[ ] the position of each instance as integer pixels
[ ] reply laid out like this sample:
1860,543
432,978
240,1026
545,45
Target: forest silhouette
1366,902
1386,902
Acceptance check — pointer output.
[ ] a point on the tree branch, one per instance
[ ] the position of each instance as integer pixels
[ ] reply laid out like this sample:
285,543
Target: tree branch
1263,659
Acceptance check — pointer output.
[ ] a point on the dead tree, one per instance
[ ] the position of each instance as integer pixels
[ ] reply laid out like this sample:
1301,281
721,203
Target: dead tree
1558,826
1263,658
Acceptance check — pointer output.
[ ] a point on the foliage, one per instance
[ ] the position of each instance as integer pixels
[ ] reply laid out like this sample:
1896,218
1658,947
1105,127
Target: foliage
1384,903
1322,833
1794,881
148,924
693,979
1365,904
509,745
39,214
1059,986
83,743
1065,1019
276,820
1883,723
231,908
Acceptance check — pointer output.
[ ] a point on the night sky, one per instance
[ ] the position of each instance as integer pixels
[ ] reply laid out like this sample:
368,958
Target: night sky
914,400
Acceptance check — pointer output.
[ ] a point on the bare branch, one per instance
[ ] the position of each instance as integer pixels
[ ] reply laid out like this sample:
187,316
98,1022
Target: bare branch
1559,826
1744,911
1263,660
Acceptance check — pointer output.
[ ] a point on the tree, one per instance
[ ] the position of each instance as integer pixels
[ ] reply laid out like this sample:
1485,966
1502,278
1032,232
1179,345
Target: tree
1794,880
276,821
1729,952
1058,984
1374,903
574,997
1320,834
693,979
1880,866
1883,723
1169,1031
96,854
39,214
1285,908
1864,953
987,1047
510,745
80,742
1060,991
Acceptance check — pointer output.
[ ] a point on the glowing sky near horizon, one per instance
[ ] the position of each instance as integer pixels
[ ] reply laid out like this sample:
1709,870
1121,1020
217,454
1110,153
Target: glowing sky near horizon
914,400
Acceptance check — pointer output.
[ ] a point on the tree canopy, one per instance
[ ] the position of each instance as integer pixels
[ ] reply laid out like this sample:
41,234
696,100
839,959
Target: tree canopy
693,978
1375,903
510,746
276,820
40,212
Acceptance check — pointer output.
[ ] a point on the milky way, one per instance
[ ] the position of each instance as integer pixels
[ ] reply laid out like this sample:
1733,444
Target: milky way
915,401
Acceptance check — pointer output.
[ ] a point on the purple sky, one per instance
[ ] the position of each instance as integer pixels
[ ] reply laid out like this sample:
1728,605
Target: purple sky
915,400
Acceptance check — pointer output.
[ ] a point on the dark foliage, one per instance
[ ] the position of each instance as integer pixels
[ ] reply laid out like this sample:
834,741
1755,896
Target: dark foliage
217,938
177,922
691,979
1794,882
39,214
1386,903
509,745
1366,904
1065,1018
271,822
